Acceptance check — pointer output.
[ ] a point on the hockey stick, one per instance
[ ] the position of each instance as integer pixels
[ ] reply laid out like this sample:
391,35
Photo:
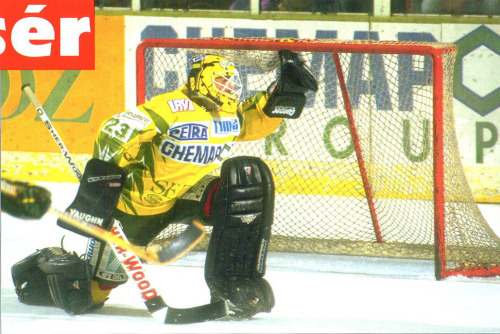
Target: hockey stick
177,248
153,301
174,251
130,262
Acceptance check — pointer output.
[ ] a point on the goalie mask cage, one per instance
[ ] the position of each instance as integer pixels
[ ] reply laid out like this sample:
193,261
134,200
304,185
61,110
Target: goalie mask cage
372,167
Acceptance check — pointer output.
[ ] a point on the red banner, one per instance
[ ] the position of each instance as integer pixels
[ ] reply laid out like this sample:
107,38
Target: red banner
47,35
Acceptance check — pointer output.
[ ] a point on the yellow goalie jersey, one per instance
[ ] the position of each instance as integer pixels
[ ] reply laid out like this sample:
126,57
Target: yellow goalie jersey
169,143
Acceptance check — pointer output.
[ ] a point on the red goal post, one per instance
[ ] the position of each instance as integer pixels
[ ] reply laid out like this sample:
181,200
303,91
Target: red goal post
372,167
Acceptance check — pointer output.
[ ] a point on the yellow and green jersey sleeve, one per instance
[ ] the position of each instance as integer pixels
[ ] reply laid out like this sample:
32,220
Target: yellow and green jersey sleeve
256,125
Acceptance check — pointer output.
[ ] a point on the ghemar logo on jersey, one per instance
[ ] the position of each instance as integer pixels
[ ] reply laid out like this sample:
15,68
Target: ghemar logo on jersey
198,154
225,127
189,131
181,105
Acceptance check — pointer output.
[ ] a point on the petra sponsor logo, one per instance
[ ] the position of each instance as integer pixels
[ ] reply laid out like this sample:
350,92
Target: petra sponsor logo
189,131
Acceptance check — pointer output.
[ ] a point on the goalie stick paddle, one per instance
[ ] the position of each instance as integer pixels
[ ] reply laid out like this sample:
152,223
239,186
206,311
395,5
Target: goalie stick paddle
153,301
164,255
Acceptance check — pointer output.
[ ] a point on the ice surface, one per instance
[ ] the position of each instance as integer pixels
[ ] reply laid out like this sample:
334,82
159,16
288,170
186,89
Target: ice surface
314,293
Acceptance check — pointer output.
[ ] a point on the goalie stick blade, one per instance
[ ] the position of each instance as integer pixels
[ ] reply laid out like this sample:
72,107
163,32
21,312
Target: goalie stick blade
182,244
207,312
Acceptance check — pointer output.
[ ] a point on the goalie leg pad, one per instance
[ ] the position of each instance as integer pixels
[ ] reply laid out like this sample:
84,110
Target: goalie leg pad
241,216
69,280
97,196
30,282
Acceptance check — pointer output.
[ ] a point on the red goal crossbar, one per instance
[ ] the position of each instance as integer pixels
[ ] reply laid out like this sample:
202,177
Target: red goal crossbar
434,51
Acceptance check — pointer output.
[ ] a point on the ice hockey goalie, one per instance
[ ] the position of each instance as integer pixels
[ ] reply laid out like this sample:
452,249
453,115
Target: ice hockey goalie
160,157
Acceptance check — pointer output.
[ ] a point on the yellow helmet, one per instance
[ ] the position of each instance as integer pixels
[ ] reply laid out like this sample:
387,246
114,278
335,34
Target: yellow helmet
215,83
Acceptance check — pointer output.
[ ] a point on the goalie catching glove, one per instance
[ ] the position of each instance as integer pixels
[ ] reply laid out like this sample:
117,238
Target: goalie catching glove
287,94
24,200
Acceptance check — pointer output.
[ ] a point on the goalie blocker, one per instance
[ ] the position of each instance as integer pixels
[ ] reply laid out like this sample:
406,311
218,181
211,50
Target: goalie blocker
97,196
241,214
287,94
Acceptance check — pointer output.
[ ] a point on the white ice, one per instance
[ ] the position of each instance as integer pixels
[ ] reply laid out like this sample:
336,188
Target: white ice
314,293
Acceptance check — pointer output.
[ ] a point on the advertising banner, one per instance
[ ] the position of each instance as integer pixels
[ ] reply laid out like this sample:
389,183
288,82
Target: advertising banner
78,100
476,78
47,35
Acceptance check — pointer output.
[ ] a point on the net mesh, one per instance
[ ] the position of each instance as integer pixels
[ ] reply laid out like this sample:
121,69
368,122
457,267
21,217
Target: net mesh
321,202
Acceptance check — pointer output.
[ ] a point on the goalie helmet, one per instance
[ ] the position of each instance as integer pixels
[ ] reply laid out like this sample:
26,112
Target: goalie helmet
215,83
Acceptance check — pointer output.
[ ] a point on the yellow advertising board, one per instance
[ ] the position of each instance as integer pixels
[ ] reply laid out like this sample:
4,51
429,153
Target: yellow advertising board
76,101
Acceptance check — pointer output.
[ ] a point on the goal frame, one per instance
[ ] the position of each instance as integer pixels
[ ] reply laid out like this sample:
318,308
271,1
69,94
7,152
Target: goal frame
340,46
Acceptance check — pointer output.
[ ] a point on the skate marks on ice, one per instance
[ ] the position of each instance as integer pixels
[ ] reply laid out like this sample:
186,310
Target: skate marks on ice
314,293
